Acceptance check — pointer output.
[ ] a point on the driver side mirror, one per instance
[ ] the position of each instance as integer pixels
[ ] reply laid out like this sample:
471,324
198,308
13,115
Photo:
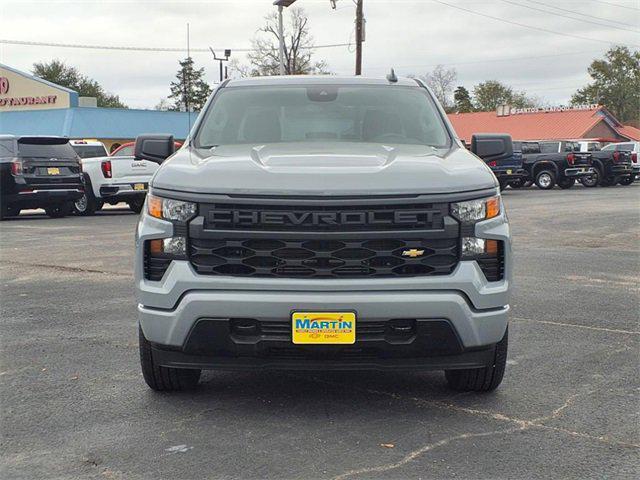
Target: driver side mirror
154,147
492,146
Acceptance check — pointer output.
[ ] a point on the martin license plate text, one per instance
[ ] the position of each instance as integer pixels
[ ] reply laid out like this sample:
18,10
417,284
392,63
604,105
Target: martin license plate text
338,328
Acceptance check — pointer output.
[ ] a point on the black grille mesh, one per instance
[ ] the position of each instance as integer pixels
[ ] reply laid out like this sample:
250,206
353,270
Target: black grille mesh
324,258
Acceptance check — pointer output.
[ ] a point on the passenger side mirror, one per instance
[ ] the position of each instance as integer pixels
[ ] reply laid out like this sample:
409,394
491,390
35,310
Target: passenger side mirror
492,146
154,147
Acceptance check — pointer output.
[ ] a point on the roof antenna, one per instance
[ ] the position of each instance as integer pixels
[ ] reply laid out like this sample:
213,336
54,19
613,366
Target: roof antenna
392,77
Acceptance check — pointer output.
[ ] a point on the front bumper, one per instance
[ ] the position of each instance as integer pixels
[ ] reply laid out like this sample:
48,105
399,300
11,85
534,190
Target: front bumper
170,309
577,172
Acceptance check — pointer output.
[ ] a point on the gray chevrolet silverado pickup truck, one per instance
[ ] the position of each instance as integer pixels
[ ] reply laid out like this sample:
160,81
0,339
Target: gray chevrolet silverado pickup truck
323,223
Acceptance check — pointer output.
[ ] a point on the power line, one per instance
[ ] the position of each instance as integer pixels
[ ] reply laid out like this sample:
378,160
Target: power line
540,29
509,59
582,14
138,49
616,5
566,16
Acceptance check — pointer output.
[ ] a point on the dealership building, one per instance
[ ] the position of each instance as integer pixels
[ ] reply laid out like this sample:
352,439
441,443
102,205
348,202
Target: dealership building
586,122
32,106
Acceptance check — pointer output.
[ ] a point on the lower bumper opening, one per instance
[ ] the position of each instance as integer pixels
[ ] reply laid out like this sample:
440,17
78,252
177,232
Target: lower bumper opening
380,345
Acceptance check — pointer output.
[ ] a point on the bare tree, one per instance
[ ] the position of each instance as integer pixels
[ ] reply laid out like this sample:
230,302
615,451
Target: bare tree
441,81
298,48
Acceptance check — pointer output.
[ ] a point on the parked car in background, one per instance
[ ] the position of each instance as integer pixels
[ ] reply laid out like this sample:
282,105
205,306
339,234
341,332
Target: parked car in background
634,149
551,163
114,179
124,150
610,166
38,172
509,170
89,148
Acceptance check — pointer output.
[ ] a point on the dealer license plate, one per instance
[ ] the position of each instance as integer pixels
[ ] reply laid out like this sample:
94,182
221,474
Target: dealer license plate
323,328
139,186
509,172
53,171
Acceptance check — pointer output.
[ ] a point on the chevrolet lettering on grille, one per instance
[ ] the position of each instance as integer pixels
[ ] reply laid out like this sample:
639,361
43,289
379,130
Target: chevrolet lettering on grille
244,218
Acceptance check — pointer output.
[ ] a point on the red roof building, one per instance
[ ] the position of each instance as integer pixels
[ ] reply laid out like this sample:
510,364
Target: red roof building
593,122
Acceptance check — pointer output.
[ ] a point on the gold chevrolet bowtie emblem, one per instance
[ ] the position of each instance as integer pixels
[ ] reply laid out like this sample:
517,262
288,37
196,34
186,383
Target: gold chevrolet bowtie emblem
413,253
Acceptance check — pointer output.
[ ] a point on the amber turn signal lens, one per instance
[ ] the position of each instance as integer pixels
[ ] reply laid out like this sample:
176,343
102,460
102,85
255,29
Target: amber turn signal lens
155,246
493,207
491,247
154,206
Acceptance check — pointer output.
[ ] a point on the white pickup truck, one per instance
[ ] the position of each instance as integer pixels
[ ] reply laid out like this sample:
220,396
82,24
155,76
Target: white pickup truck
113,179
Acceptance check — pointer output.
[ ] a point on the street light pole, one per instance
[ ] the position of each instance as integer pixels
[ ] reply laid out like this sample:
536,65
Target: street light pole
281,4
281,38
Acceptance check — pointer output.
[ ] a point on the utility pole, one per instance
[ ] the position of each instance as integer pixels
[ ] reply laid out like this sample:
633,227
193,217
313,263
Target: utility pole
359,36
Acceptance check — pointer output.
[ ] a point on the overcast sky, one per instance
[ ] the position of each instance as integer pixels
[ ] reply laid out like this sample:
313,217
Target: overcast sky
411,35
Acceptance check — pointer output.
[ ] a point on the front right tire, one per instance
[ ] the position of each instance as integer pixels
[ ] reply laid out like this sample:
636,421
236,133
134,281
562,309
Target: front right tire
481,379
164,379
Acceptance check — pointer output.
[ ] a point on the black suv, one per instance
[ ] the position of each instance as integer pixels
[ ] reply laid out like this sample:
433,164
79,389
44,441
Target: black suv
38,172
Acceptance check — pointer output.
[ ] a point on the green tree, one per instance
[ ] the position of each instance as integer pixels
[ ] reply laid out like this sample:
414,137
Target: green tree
462,100
616,84
489,95
264,57
56,71
190,90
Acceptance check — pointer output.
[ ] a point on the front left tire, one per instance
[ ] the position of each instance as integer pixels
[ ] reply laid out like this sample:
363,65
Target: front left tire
164,379
136,205
566,183
60,210
481,379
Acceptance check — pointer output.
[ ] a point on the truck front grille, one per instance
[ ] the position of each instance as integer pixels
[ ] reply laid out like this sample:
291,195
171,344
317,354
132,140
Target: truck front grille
275,257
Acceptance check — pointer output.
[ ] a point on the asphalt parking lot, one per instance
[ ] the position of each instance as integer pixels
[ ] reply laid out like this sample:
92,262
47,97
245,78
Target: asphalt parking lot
74,404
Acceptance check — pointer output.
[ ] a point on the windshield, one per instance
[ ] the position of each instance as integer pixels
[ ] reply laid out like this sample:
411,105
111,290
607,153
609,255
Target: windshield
90,151
378,114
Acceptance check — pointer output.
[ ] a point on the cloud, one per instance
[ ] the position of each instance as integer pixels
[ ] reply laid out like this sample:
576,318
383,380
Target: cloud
411,35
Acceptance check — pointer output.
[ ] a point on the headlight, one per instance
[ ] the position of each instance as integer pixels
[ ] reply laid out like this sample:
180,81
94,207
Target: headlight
170,209
476,210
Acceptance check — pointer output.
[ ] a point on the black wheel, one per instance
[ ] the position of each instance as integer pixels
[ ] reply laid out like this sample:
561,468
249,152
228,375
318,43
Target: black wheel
626,180
481,379
517,183
164,379
503,184
545,179
87,204
591,180
608,182
60,210
566,183
9,212
136,205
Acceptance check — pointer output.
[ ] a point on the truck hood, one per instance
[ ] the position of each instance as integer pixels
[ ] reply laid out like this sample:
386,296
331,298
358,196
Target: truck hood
338,168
